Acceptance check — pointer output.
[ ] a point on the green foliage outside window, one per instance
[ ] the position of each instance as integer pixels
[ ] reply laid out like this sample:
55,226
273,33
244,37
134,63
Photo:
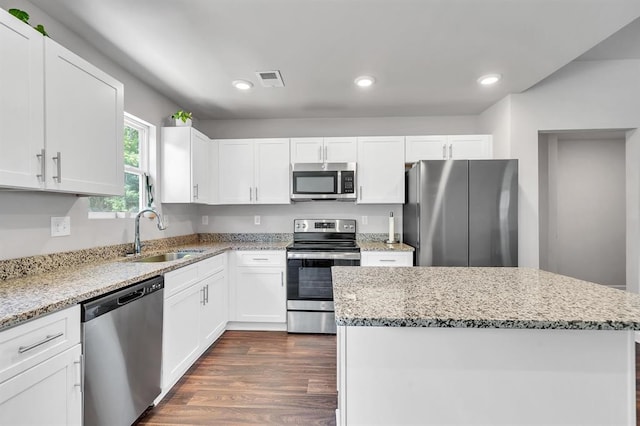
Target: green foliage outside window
130,202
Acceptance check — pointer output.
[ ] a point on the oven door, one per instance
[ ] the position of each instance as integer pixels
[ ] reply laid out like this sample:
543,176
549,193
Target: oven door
309,285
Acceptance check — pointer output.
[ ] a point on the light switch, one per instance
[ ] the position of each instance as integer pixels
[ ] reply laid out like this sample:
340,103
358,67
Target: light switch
365,220
60,226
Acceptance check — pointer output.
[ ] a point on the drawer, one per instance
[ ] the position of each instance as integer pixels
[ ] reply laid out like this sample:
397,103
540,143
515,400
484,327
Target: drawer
178,280
211,265
261,258
384,258
33,342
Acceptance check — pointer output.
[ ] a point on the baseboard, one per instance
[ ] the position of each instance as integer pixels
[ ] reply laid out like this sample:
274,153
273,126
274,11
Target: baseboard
257,326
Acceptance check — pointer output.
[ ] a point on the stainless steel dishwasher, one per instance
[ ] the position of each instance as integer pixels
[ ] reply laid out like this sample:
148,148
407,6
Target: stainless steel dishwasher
122,346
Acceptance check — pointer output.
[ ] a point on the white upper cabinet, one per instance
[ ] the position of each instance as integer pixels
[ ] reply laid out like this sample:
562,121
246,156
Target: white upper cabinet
254,171
21,104
324,150
452,147
61,118
187,166
84,125
381,170
470,147
271,165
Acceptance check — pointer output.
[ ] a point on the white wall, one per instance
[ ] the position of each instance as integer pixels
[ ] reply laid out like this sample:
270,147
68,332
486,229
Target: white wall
375,126
280,218
582,95
25,216
582,206
496,121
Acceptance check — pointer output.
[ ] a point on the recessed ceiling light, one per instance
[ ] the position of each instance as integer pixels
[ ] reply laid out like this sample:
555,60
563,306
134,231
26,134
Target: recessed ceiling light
242,84
489,79
365,81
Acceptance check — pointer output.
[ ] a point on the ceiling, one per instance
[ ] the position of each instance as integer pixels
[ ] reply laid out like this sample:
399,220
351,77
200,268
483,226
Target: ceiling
425,54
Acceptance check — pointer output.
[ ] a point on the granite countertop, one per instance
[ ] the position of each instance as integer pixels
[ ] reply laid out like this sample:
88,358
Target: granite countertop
478,298
34,295
382,246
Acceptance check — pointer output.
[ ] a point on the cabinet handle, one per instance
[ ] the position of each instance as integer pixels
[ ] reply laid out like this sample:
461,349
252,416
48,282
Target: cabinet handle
281,279
444,151
203,299
196,192
250,195
207,294
320,153
256,194
450,150
58,160
326,154
79,375
23,349
360,193
42,159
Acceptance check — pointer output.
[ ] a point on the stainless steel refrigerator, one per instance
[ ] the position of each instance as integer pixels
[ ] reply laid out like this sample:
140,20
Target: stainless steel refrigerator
462,212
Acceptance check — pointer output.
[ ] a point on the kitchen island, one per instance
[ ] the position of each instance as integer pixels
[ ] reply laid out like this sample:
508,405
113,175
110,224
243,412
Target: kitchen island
490,346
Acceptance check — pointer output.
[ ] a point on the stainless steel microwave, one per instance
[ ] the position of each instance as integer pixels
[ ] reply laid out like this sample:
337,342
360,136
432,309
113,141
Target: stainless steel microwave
323,181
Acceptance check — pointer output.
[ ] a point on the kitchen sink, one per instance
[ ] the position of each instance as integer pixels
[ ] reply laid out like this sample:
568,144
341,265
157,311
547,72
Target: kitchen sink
166,257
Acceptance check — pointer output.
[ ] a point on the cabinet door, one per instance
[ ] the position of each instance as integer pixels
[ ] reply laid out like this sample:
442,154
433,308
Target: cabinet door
307,150
180,333
49,393
21,104
469,147
236,171
201,168
425,148
271,171
260,295
381,170
84,125
340,150
214,311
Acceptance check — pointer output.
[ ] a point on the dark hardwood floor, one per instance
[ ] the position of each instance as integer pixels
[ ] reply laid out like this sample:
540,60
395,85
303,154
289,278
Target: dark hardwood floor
256,378
250,378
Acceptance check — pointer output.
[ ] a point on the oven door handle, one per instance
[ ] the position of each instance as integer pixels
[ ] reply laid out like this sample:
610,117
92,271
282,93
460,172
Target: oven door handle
321,255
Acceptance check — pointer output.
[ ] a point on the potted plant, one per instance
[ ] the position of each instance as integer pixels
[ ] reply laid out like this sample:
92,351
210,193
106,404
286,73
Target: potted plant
182,118
24,17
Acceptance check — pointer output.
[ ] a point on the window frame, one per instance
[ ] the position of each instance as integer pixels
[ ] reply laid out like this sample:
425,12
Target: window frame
146,165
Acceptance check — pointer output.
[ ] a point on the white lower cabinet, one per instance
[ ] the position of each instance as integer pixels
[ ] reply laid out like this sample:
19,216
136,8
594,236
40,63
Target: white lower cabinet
195,315
386,258
259,288
40,363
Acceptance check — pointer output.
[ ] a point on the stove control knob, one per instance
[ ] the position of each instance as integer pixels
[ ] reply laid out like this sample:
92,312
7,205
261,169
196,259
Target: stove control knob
350,226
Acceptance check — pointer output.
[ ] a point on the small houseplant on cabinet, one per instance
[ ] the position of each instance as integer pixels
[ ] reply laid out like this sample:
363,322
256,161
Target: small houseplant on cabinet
182,118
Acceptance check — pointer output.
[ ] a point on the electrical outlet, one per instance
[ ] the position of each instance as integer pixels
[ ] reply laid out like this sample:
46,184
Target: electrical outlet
365,220
205,220
60,226
256,220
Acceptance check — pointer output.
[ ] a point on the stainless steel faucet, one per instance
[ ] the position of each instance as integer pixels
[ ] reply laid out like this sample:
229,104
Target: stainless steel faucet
137,245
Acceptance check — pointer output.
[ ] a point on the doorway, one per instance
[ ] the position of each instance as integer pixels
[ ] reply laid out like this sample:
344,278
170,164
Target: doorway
582,205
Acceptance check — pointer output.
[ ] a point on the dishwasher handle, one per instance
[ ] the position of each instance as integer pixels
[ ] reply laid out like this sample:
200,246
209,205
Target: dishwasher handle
123,300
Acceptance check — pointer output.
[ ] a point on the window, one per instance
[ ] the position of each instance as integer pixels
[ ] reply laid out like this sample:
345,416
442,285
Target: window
138,191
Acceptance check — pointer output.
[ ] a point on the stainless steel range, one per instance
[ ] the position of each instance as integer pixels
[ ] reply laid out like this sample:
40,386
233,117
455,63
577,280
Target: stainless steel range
318,244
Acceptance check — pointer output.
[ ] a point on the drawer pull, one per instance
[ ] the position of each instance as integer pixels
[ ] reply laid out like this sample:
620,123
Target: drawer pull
387,260
260,258
23,349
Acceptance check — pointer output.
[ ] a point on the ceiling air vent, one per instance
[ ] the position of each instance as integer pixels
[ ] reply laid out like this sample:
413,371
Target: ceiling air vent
270,78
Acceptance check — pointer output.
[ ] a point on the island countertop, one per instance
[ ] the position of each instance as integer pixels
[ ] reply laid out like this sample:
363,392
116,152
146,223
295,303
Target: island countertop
478,298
